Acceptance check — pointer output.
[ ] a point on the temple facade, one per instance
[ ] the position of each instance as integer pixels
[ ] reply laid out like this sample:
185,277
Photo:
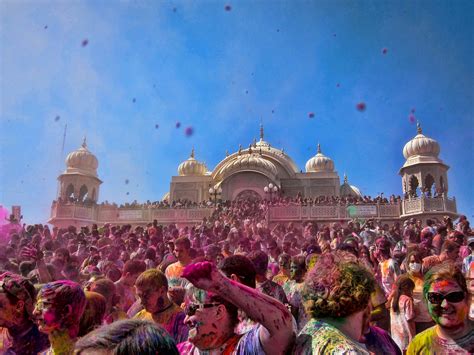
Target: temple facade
260,171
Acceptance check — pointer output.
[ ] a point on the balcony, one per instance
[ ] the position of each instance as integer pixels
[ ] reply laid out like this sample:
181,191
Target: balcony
434,205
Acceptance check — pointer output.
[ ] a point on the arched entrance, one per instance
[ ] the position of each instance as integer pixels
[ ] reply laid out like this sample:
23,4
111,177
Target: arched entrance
250,195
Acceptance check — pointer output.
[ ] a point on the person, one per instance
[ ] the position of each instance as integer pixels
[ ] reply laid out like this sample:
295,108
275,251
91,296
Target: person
337,293
449,252
125,286
402,312
131,336
283,275
268,287
182,247
413,267
20,335
293,290
445,291
152,290
388,269
57,313
469,259
213,316
94,313
106,288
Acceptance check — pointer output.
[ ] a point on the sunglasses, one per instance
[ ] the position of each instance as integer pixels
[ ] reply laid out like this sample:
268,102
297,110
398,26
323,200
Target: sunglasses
453,297
191,309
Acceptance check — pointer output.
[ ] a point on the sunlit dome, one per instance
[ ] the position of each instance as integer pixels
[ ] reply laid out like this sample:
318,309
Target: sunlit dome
250,161
82,161
421,145
349,190
319,163
192,167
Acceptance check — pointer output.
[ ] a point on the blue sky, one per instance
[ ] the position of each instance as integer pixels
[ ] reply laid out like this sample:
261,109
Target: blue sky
222,72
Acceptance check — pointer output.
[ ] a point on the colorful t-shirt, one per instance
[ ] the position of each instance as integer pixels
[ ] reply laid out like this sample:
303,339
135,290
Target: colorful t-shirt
318,337
389,270
402,322
280,278
429,343
243,344
173,273
172,319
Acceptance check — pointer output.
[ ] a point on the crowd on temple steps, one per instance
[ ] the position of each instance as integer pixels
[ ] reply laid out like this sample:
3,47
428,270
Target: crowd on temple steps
233,284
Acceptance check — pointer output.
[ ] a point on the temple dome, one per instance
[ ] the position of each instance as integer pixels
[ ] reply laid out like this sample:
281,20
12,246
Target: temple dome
349,190
192,167
82,161
319,163
421,145
250,161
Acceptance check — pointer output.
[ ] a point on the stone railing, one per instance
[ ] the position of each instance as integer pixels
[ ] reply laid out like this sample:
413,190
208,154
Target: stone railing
110,214
429,204
333,212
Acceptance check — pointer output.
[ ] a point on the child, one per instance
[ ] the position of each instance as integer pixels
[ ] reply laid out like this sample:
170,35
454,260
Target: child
402,313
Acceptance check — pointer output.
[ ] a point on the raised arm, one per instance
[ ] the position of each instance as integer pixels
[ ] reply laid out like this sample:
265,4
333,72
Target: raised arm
276,333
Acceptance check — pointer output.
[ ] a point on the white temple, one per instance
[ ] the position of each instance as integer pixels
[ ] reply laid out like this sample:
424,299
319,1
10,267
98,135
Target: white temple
259,172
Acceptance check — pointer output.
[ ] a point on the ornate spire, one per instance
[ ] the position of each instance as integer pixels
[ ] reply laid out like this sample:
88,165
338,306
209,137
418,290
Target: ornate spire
226,153
240,149
84,142
345,179
261,132
192,153
319,149
255,142
250,149
418,127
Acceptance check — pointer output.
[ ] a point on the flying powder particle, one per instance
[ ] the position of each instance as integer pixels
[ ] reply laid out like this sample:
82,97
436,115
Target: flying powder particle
46,27
85,42
178,124
157,126
412,110
57,118
311,115
338,85
134,100
127,181
227,8
412,118
361,106
128,193
384,51
189,131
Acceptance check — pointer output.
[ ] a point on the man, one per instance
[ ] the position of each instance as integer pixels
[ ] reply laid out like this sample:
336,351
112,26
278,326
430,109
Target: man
125,287
19,335
58,311
213,317
447,297
264,285
152,290
449,251
173,272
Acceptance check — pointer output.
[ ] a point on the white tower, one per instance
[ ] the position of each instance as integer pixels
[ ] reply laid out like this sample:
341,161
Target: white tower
80,182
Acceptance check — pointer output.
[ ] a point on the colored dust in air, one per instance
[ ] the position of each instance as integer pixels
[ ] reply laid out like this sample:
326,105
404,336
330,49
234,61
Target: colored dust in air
361,106
189,131
351,211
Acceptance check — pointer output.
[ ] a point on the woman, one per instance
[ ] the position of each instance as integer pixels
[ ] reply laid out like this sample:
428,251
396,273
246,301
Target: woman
293,288
336,293
413,264
284,273
446,293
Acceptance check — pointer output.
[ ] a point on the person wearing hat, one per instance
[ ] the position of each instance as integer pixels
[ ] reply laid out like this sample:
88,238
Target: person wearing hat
19,335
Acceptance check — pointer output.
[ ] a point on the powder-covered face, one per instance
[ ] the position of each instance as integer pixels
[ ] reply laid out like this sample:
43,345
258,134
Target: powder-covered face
205,332
448,314
8,311
46,316
151,299
296,271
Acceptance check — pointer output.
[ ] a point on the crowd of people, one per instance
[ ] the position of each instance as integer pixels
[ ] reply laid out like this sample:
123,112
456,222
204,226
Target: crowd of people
276,200
233,284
